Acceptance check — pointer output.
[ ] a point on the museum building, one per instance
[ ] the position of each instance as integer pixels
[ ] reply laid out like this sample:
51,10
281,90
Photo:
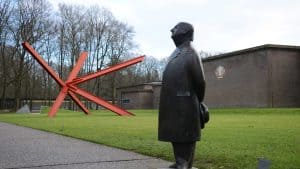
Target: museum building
262,76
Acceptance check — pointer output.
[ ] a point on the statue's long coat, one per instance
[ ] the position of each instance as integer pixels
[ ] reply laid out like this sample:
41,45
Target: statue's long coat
183,87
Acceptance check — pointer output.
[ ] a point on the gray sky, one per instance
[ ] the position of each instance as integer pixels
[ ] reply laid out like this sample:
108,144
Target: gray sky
220,26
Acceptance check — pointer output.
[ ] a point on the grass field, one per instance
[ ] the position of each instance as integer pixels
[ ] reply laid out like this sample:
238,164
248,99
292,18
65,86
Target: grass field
233,139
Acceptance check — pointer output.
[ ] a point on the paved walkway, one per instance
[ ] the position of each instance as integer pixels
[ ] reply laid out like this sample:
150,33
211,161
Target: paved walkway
22,148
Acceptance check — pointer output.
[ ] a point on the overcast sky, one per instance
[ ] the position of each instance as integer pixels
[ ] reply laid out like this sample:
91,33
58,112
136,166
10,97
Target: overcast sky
220,26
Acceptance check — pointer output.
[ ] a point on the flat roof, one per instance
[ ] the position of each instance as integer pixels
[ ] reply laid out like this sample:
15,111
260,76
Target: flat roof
252,49
142,84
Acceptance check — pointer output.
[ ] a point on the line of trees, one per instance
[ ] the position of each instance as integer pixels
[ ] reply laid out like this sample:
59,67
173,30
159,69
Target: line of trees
59,36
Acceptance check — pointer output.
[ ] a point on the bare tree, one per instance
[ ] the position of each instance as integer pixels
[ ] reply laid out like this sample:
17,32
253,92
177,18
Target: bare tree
151,69
60,39
98,39
49,53
205,54
5,13
72,22
72,26
121,43
31,21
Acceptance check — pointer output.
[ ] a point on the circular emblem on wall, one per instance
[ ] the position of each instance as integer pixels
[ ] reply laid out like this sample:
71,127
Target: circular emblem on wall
220,72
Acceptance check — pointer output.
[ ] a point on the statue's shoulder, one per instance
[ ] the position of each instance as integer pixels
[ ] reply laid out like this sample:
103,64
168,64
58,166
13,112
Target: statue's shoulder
190,51
191,55
187,49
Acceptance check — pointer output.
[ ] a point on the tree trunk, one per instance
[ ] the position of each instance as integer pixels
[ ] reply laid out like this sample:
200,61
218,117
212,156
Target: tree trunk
4,85
113,87
49,90
3,95
18,81
17,95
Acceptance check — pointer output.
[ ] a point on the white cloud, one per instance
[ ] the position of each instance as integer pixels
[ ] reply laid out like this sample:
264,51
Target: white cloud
219,25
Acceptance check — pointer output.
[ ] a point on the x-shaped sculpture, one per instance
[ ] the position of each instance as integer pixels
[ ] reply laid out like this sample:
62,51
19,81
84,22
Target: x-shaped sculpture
69,87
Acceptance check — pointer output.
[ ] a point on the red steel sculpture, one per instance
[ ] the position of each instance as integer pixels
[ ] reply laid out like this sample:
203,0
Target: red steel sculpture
70,86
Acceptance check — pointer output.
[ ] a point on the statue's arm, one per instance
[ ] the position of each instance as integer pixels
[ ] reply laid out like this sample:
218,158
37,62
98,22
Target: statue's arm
197,75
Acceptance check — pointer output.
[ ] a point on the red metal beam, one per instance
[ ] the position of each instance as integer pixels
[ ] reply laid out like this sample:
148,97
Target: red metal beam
63,93
73,75
77,67
107,70
52,73
44,64
59,100
69,87
99,101
79,103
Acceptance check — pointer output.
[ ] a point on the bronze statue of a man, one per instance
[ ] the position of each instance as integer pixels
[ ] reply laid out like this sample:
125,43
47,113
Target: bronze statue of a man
182,91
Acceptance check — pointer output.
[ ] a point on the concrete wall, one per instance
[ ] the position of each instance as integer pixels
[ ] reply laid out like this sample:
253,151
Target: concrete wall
143,96
260,77
137,100
244,83
156,96
285,77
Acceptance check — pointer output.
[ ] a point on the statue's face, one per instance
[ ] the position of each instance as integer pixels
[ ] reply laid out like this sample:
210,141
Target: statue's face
179,29
182,32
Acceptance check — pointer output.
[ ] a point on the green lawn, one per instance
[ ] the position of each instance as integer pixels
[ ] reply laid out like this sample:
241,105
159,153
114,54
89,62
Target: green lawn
233,139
